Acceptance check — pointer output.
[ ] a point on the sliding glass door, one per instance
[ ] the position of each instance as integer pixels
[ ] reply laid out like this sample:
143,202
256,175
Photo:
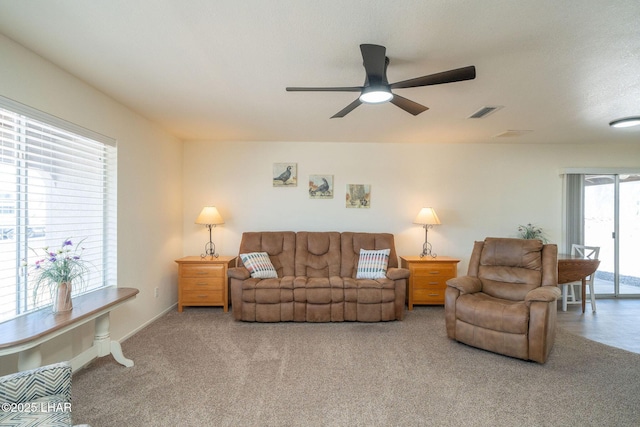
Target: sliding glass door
599,225
629,234
611,220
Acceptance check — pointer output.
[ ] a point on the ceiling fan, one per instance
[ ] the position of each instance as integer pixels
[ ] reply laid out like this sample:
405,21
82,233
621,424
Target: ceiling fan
376,88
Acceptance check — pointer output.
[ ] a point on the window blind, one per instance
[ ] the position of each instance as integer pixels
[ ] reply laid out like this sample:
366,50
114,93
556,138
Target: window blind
57,183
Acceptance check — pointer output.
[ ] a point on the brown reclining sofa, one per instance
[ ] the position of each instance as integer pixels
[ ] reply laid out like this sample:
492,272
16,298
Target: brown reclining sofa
316,279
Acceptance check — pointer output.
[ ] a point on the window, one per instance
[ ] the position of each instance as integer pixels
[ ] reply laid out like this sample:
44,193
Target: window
57,182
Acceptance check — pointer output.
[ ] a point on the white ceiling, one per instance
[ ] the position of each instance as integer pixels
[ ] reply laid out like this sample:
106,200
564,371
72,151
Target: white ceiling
217,69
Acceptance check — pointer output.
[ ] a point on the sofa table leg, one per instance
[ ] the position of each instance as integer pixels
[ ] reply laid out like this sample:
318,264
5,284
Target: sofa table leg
104,345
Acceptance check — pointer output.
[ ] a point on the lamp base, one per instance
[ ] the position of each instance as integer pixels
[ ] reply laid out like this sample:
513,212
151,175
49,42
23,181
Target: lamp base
209,250
427,252
426,248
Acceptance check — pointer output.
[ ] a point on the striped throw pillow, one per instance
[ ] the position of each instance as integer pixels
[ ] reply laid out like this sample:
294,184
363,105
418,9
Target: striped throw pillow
373,264
259,265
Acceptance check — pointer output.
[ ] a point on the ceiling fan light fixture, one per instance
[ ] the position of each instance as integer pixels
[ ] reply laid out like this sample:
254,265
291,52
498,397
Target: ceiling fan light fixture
376,95
626,122
376,88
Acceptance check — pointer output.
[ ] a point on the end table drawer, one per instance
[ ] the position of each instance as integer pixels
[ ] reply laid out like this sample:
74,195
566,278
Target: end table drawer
447,271
196,284
202,297
202,270
429,296
430,282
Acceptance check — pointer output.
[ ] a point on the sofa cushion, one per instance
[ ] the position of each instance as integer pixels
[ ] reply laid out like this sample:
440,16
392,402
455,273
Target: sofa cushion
512,253
280,245
317,254
496,314
373,264
351,243
259,265
510,268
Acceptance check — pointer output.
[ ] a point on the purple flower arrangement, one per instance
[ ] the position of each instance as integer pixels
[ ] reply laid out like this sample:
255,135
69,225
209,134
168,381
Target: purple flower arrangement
63,265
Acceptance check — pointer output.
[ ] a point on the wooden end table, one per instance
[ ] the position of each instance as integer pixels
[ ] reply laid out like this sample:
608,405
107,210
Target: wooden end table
203,281
428,278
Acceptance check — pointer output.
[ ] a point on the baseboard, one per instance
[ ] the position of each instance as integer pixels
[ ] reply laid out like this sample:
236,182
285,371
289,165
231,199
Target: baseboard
150,321
87,356
83,359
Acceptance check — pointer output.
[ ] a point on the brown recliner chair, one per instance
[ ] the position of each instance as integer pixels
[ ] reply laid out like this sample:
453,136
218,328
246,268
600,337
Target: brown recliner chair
507,301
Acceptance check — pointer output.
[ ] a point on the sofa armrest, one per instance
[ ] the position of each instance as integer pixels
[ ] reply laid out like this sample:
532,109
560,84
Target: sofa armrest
397,273
240,273
465,284
542,294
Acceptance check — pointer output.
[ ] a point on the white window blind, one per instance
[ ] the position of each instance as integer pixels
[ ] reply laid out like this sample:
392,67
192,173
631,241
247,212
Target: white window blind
57,183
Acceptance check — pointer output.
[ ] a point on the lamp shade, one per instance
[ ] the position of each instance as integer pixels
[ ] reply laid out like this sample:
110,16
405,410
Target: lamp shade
209,216
427,216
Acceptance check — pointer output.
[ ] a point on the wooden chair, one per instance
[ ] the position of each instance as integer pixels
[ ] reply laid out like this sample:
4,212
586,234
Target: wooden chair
568,289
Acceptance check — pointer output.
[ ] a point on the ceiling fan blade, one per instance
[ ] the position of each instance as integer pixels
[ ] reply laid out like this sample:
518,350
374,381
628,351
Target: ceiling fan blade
375,63
346,110
325,89
408,105
457,75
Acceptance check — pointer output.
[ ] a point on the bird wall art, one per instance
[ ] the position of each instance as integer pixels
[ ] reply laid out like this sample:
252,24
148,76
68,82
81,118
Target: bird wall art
285,174
321,186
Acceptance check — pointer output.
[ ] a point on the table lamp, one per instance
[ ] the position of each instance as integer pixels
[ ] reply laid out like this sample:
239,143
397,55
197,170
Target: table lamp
427,217
210,217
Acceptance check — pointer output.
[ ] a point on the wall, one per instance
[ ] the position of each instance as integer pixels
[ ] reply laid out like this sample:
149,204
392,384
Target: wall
149,190
476,190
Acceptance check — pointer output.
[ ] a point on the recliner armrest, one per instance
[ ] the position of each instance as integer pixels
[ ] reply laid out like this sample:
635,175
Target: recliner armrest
466,284
397,273
543,294
240,273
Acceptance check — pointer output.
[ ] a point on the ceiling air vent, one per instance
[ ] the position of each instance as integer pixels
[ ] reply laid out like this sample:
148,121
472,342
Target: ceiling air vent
484,111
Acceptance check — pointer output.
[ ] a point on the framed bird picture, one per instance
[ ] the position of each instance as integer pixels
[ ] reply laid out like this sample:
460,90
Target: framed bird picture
321,186
285,174
358,196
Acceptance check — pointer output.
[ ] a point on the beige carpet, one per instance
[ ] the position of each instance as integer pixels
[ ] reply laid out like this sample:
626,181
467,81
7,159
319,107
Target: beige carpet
201,368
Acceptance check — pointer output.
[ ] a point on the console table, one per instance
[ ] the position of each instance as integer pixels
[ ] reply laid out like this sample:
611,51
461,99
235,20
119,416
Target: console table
576,269
24,334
